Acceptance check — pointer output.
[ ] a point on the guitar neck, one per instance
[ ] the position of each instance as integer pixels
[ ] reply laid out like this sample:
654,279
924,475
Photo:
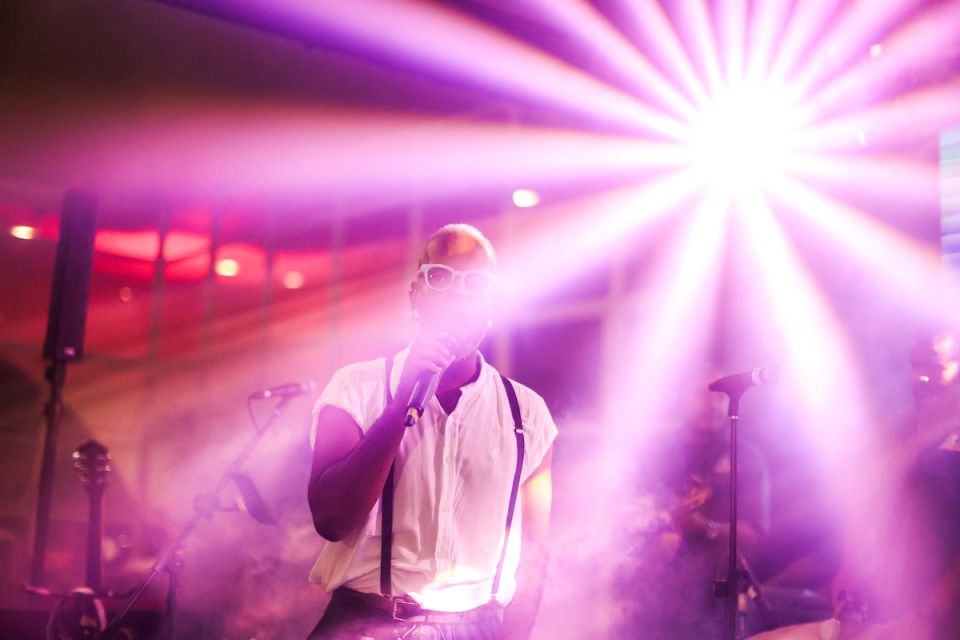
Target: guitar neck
94,576
92,462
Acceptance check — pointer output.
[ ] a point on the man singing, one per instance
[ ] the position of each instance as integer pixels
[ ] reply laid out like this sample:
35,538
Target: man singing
436,530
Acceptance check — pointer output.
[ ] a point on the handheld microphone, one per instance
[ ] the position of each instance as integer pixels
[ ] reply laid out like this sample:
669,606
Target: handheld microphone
740,382
289,390
423,389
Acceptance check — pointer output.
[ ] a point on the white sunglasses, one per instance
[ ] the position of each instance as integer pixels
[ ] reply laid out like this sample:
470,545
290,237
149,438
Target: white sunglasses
440,277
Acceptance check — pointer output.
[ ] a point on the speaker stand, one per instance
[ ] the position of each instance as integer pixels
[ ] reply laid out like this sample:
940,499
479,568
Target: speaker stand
56,375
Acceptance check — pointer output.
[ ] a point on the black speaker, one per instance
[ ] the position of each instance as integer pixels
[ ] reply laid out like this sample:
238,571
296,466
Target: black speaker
71,277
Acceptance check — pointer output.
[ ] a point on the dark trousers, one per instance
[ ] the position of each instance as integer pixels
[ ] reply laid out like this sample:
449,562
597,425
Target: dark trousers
354,616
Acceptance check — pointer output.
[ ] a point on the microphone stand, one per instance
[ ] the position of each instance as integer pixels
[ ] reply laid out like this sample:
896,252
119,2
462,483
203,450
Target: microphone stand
204,505
729,589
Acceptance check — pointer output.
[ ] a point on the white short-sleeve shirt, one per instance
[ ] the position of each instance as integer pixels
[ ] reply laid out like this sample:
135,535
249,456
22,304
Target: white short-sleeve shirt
453,479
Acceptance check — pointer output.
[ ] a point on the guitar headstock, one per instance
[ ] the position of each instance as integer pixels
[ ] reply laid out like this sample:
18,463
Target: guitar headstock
92,462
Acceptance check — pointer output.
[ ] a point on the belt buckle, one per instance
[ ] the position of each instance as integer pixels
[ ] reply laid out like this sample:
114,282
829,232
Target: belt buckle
395,604
402,610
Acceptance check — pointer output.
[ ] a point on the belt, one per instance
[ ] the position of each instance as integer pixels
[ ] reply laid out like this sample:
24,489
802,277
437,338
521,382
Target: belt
404,608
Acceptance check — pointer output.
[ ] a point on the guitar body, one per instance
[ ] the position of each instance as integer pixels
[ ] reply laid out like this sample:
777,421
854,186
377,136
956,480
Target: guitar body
79,616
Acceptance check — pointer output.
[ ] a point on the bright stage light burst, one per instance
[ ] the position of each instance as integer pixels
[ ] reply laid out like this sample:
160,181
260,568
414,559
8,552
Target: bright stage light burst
742,138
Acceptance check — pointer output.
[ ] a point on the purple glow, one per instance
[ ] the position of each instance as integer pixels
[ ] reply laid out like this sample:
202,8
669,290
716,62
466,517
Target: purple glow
847,38
765,33
754,146
414,31
732,18
647,18
914,44
807,22
596,31
913,277
666,341
315,152
534,268
697,34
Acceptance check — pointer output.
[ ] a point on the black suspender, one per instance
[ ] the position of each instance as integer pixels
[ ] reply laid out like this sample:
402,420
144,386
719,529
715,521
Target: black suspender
518,432
386,503
386,500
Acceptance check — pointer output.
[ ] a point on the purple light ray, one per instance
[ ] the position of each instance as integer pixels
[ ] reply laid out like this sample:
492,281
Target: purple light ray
647,18
928,111
436,38
819,364
910,273
852,452
850,36
685,285
806,18
585,230
767,23
731,31
586,24
697,35
199,149
890,179
917,43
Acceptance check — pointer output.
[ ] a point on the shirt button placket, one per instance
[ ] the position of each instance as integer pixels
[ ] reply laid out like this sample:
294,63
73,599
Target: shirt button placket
444,547
443,523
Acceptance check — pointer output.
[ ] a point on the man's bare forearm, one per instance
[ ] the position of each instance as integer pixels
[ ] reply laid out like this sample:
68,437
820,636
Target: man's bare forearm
342,495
